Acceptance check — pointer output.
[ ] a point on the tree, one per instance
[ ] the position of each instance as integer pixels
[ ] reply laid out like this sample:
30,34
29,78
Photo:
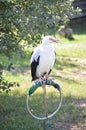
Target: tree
24,22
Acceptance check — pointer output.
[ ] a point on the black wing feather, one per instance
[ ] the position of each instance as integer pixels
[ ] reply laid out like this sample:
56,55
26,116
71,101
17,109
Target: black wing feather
34,65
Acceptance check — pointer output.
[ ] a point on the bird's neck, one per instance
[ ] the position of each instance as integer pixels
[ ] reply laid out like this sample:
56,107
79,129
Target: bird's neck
45,45
48,47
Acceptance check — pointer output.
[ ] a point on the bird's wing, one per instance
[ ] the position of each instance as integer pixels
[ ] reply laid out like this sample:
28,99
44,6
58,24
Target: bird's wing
35,55
35,62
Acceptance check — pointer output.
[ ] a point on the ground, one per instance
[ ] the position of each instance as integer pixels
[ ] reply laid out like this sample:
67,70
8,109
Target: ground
69,71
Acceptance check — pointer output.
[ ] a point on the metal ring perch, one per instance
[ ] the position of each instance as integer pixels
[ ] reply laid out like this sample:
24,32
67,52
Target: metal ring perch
33,89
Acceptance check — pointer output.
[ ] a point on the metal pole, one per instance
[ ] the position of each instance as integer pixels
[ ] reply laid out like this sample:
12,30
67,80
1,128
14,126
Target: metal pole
44,125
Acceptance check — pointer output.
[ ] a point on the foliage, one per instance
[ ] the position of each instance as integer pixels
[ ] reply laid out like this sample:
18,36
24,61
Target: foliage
24,22
5,85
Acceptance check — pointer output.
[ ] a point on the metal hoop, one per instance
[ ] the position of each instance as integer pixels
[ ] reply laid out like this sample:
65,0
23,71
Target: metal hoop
58,87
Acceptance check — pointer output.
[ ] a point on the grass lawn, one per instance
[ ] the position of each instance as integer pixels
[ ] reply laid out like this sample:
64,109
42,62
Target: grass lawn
69,71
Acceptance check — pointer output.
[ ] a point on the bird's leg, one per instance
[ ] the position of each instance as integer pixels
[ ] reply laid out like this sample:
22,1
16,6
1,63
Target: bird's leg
40,79
44,98
47,78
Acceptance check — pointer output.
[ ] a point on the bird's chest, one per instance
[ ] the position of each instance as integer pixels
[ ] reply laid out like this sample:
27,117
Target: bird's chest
47,59
48,56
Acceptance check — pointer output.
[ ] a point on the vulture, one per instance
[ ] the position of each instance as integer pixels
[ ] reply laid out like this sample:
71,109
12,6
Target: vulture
43,58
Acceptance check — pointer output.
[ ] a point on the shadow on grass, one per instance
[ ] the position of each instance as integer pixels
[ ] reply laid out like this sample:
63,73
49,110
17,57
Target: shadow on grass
79,31
61,64
16,63
66,79
14,115
66,70
78,26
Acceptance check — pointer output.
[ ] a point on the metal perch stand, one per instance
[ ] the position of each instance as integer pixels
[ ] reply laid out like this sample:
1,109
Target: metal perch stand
43,84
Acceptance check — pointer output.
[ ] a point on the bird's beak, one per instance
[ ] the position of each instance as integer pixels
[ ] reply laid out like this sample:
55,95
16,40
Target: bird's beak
54,40
57,41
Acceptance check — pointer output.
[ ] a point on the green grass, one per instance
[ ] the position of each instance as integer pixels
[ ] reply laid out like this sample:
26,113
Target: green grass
69,71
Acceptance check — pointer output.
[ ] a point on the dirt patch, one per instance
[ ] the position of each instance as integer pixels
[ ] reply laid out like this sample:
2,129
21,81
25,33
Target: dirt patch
70,126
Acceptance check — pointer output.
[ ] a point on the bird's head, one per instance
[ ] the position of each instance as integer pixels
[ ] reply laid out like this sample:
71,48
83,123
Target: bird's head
49,39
